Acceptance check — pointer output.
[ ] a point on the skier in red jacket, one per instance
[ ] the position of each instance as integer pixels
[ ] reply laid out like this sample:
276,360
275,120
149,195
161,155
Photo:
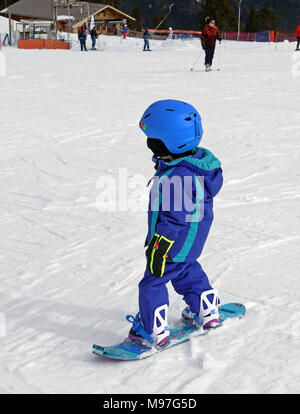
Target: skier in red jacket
210,35
298,37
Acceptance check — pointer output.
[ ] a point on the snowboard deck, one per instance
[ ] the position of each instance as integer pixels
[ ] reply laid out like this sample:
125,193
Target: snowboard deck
129,350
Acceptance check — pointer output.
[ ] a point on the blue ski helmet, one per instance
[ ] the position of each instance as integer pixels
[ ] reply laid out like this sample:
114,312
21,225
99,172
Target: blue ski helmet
175,123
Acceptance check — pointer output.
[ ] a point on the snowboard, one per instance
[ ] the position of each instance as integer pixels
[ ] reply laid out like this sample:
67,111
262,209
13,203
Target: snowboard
129,350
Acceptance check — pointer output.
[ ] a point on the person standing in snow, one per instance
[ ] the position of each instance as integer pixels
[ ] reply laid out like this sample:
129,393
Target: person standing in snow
82,35
171,35
124,31
210,35
180,215
146,37
298,37
94,37
61,35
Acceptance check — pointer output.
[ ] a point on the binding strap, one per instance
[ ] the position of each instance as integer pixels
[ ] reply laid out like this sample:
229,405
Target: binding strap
138,327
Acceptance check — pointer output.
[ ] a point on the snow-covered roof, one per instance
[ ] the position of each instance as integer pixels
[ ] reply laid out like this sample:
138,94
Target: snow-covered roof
62,18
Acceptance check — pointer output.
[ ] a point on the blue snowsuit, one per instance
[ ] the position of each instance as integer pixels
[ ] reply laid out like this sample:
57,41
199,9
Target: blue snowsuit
188,223
146,37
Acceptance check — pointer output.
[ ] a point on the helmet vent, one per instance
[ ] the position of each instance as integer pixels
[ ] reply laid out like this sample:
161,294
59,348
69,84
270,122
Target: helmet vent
188,118
181,146
146,116
170,110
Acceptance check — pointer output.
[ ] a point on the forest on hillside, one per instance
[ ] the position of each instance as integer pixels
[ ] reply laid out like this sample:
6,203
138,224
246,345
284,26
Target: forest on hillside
188,14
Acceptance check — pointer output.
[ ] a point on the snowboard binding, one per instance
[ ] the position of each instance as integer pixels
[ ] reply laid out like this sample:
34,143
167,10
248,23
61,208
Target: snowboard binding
208,316
160,336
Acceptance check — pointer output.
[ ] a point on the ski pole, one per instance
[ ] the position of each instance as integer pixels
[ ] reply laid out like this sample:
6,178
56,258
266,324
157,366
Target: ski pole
194,64
170,9
219,57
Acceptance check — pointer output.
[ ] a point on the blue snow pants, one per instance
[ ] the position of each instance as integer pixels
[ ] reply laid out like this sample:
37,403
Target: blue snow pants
146,44
94,39
83,44
188,279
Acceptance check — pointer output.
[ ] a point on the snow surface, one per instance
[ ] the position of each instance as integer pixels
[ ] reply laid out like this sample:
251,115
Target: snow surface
69,272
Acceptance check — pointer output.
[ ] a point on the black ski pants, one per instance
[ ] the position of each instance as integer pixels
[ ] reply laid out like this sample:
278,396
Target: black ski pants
209,54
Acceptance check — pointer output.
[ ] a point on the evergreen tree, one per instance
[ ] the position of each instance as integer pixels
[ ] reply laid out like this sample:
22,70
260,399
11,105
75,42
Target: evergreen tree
258,21
267,19
136,13
223,13
156,20
252,23
114,3
164,25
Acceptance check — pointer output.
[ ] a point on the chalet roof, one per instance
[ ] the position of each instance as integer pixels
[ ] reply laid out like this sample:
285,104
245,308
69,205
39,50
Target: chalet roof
42,9
31,8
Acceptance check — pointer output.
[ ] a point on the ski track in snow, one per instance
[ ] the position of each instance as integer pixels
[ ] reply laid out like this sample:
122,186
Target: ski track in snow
69,273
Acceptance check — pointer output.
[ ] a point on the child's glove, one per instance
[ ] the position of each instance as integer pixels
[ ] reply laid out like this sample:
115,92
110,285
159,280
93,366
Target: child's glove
157,254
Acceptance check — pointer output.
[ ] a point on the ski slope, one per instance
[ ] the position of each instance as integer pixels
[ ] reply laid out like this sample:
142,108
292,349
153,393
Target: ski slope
69,272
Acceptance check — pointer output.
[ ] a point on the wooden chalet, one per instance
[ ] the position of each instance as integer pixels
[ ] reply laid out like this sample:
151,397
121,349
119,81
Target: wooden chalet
108,19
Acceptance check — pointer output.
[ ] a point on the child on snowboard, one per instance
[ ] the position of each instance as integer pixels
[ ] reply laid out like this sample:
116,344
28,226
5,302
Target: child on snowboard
176,236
